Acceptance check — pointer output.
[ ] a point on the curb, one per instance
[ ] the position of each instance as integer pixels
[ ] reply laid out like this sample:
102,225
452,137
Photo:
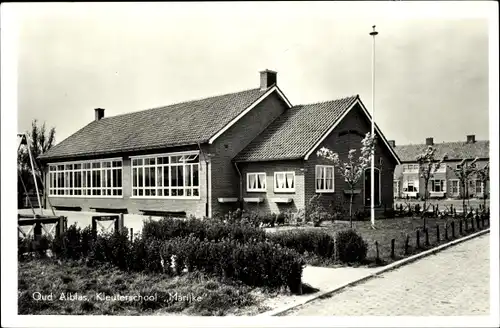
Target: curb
383,269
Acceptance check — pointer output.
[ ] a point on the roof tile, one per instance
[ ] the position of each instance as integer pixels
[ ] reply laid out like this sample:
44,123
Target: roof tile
454,150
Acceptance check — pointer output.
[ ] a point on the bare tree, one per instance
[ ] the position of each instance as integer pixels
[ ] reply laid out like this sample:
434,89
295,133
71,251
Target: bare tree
428,165
352,169
464,170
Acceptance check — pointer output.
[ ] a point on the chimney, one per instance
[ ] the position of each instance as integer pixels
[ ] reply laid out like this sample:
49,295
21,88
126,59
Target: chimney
99,113
392,143
471,138
267,79
429,141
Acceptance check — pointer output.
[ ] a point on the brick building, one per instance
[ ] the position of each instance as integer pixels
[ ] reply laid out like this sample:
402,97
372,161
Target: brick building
444,183
251,149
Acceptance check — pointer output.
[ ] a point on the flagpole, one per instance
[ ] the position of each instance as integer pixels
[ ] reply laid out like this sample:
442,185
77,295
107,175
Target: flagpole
372,170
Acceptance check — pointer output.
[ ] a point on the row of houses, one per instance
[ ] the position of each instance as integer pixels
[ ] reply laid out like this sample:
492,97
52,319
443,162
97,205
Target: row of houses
444,182
251,149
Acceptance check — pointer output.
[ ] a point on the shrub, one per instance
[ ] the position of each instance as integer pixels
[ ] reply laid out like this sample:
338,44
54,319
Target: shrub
350,247
281,218
74,243
312,241
255,263
168,228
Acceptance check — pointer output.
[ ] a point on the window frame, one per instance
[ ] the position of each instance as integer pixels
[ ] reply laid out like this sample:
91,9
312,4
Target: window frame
451,187
414,170
433,184
283,190
85,172
398,183
331,190
264,189
141,169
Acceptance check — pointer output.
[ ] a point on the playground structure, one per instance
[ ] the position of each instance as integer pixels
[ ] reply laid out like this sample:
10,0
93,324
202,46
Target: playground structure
39,223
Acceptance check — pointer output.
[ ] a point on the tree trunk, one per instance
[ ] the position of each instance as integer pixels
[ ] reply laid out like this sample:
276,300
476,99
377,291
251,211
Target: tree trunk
424,209
350,207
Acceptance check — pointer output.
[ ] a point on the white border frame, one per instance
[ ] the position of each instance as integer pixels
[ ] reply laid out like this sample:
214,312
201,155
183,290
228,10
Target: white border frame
256,190
285,190
325,191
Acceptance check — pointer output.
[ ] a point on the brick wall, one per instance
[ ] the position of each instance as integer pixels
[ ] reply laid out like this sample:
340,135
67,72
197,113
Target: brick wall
224,176
134,205
268,205
340,143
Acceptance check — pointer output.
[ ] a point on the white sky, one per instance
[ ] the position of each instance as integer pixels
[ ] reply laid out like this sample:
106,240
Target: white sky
432,62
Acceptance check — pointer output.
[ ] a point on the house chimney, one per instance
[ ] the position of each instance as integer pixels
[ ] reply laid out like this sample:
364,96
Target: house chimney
429,141
471,138
99,113
267,79
392,143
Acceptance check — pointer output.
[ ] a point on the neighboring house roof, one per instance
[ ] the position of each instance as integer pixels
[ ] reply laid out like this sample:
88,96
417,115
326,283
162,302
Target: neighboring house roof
453,150
179,124
300,130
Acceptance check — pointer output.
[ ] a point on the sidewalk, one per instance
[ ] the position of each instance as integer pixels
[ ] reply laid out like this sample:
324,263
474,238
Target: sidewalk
322,279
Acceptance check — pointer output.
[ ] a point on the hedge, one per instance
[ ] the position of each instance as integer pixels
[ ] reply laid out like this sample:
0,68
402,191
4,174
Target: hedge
211,229
317,242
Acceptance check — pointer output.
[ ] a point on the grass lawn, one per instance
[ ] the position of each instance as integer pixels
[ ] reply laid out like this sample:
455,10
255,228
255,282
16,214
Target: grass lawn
85,289
386,230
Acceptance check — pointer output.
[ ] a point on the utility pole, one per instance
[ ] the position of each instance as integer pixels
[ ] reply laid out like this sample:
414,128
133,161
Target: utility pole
372,170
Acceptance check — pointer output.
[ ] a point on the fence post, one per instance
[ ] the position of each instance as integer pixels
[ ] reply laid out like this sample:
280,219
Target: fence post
407,243
438,236
478,222
446,231
453,229
131,234
427,237
461,230
472,223
393,242
451,209
418,238
60,227
376,247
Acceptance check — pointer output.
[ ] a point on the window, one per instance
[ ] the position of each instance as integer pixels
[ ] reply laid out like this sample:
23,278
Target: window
284,181
324,178
396,188
256,181
99,178
166,176
410,186
479,187
410,168
438,185
455,187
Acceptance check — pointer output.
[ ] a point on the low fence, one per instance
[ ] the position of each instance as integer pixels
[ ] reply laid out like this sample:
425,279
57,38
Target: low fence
116,223
431,236
39,225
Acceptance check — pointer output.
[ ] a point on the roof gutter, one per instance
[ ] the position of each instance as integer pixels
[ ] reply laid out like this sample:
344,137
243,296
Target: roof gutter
240,198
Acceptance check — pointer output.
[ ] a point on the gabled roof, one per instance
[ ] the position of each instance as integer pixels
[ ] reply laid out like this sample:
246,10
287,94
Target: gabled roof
300,130
453,150
185,123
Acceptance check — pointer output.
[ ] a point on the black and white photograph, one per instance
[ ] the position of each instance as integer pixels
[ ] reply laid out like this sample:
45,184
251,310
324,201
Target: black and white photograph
293,163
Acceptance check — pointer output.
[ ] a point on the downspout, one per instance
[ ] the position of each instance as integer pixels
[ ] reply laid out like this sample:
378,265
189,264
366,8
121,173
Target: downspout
240,198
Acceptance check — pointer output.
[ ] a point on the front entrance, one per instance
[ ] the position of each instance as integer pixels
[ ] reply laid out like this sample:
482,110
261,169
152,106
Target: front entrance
367,189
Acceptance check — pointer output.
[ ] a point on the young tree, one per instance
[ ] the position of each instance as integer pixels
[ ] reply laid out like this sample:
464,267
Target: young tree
463,172
428,165
483,175
351,170
40,140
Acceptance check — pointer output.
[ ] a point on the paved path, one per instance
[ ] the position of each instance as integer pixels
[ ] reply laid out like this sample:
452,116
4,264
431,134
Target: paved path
452,282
